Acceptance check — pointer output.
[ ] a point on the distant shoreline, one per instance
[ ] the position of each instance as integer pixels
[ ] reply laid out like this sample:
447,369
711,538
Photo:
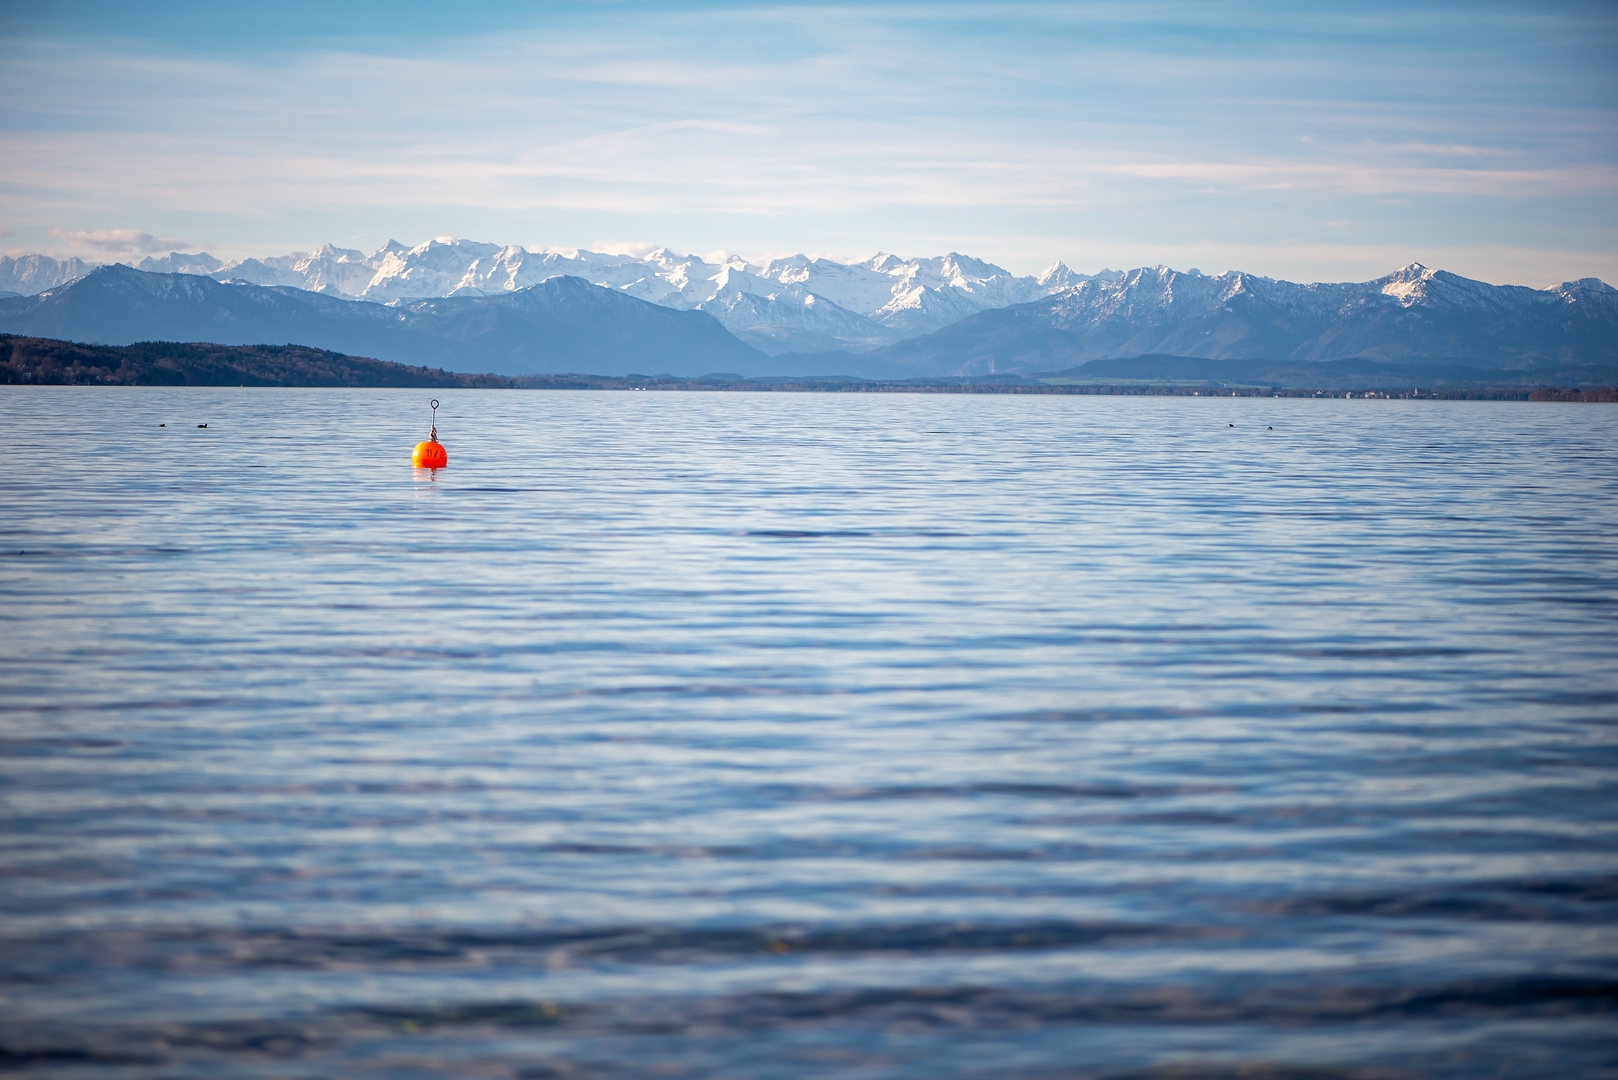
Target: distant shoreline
31,361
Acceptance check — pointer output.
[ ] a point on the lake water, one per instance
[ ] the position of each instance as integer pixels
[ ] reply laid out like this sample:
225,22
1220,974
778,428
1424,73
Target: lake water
789,735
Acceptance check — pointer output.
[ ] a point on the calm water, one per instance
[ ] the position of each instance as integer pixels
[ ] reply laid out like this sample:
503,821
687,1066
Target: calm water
725,735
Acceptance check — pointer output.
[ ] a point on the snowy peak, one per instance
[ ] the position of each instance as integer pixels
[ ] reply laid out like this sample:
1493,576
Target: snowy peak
179,263
1408,284
437,268
958,267
791,268
913,295
881,262
1439,290
30,274
337,254
451,247
1058,276
1586,297
1590,289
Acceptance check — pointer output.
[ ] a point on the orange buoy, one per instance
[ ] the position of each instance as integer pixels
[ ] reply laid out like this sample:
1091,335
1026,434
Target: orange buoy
431,454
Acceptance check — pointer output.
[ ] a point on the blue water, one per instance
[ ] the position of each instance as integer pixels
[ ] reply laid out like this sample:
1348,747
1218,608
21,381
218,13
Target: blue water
794,735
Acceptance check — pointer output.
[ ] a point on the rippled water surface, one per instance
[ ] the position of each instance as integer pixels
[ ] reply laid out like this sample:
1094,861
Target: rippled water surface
793,735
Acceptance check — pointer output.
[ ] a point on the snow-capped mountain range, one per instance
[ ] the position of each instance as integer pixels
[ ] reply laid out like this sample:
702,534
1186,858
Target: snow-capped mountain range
950,315
793,304
1415,313
29,275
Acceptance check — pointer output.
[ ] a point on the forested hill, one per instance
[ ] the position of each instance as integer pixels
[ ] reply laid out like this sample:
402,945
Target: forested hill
172,363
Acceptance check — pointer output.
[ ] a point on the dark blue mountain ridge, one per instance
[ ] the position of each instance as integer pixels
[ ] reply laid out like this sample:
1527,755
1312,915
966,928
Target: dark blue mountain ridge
1414,315
562,324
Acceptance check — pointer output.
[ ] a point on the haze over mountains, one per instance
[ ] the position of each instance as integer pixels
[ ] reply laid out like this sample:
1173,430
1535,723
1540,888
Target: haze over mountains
562,324
482,307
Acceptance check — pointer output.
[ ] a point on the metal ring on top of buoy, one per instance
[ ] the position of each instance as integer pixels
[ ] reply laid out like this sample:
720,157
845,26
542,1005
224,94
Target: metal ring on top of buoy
430,454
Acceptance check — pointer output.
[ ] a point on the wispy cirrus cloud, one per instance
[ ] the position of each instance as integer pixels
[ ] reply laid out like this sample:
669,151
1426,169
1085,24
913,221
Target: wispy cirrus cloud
637,248
1100,133
1367,178
118,241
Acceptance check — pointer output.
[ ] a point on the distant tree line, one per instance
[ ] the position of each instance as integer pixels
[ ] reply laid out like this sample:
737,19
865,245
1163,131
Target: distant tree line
46,361
173,363
1552,393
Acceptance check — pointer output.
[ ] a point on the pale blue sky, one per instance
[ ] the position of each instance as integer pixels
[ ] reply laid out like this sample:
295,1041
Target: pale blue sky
1314,142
